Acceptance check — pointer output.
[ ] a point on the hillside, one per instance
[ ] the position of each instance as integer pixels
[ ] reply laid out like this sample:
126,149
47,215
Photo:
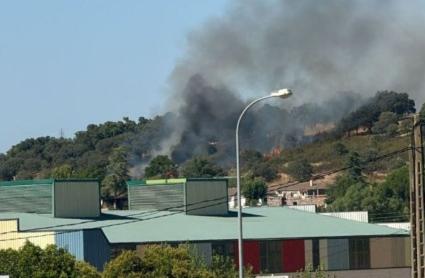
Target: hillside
327,155
115,151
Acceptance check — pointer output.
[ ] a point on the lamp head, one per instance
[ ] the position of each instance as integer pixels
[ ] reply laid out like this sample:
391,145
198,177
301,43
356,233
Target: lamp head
282,93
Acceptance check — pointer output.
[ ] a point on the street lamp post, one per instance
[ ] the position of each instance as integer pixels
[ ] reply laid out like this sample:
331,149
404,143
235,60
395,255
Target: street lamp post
283,93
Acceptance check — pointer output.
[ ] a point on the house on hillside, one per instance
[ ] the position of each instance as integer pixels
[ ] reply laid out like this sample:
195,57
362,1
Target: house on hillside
304,193
233,198
277,240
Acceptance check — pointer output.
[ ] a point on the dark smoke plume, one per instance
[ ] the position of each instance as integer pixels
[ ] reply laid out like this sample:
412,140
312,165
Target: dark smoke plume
320,49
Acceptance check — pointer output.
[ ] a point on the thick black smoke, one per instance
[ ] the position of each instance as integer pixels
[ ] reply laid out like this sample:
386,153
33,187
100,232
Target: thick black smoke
318,48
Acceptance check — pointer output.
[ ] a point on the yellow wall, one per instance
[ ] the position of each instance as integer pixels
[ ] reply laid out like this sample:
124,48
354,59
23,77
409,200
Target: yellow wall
11,238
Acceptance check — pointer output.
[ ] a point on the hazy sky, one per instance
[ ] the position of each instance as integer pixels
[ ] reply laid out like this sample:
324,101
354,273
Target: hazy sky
66,64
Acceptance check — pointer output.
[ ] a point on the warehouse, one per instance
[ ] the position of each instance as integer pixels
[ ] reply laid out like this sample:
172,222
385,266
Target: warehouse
277,239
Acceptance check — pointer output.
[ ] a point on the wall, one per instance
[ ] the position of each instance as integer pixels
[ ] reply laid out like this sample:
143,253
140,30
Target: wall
36,198
389,252
206,197
359,216
202,250
338,254
75,198
293,255
307,208
97,250
375,273
251,255
160,196
72,241
88,245
11,238
308,254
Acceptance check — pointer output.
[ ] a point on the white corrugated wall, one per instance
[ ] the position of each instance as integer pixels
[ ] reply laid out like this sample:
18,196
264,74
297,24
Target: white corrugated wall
360,216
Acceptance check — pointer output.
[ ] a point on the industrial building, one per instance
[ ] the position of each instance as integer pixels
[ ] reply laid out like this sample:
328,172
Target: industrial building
277,239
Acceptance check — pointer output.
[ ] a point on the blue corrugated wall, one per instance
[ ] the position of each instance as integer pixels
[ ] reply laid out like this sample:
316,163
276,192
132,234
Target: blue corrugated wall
96,248
88,245
338,257
71,241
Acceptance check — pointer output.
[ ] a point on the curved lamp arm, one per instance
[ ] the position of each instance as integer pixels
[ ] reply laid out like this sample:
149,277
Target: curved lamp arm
284,93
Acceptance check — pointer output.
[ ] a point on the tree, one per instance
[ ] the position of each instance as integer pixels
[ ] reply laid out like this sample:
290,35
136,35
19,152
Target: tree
339,188
398,103
86,270
9,260
340,149
265,170
387,124
161,167
300,169
310,272
127,264
250,158
257,165
254,189
387,201
62,172
354,166
51,262
201,167
166,261
352,199
114,184
225,267
367,114
391,196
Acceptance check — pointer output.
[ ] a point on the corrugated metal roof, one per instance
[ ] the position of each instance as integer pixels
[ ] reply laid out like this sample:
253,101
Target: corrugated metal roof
27,182
26,198
259,223
155,182
156,197
41,181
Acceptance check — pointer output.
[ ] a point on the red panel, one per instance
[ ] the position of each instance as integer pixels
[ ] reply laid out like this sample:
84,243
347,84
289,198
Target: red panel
293,257
251,255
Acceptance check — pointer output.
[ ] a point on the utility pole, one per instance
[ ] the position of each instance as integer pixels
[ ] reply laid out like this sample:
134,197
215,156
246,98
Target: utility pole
417,201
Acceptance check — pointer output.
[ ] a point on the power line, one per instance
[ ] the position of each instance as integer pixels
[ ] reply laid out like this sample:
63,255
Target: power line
331,172
40,229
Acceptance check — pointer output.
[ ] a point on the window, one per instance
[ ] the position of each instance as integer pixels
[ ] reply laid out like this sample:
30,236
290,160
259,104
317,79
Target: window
359,253
271,256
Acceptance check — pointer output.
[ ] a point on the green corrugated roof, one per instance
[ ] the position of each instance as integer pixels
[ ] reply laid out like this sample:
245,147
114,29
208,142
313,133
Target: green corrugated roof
41,181
27,182
259,223
155,182
136,182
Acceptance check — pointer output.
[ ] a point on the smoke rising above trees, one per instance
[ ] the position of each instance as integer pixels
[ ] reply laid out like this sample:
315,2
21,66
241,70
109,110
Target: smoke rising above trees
334,54
321,50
